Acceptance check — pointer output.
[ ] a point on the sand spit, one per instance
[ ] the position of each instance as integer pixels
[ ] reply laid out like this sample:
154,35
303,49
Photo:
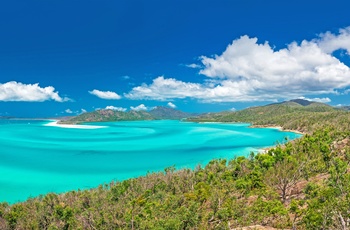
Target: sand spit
55,124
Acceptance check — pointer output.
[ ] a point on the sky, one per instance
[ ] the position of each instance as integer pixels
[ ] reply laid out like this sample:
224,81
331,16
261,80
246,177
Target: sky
65,57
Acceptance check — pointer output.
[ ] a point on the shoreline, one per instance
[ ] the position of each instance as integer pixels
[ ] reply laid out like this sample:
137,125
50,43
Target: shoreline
278,127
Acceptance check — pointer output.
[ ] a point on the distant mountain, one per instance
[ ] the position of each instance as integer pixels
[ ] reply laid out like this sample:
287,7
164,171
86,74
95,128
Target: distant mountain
165,113
158,113
347,108
302,103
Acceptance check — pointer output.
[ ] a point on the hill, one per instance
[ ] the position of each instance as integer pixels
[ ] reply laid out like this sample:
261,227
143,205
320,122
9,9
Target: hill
109,115
280,114
158,113
165,113
305,104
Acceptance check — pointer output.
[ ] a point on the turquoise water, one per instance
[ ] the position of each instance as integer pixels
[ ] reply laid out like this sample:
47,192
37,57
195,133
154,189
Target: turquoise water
37,159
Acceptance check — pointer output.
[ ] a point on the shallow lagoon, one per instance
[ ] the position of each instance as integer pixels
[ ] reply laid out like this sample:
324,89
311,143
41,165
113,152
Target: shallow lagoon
37,159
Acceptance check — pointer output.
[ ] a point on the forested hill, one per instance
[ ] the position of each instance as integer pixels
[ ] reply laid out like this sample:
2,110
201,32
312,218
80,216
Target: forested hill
110,115
304,184
294,114
157,113
165,113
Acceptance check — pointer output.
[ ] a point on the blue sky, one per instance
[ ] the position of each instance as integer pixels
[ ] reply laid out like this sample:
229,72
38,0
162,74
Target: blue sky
63,57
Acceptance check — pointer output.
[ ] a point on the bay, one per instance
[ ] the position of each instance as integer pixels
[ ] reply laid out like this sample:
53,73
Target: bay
36,158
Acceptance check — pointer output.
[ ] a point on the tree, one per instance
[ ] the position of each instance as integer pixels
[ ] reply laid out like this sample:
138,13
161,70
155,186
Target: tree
284,176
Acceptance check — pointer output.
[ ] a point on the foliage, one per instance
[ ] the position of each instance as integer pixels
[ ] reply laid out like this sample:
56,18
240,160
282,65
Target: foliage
157,113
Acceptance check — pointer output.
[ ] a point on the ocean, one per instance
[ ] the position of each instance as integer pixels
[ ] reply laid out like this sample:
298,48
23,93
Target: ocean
38,157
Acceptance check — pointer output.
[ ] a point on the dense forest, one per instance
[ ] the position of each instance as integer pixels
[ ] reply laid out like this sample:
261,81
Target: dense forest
304,184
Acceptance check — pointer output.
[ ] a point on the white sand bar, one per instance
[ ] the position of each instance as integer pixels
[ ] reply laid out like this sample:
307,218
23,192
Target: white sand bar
55,123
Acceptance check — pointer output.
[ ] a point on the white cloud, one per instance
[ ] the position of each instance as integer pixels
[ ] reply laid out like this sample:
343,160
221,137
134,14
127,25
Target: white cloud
251,71
233,109
347,91
125,77
321,100
75,112
300,68
163,89
116,108
171,105
139,107
194,66
17,91
169,88
329,42
105,94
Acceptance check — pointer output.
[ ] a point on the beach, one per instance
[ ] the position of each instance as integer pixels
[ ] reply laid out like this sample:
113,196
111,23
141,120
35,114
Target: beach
56,124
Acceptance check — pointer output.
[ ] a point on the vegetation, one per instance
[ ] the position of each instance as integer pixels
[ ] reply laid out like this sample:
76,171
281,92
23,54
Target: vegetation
109,115
165,113
304,184
295,115
113,115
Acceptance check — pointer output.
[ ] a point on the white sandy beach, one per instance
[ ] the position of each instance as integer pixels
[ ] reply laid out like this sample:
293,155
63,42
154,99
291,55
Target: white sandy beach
55,123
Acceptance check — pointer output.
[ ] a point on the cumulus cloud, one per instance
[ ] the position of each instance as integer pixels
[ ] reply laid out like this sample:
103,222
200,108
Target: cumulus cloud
163,89
252,71
83,111
68,111
329,42
316,99
139,107
300,68
17,91
105,94
116,108
171,105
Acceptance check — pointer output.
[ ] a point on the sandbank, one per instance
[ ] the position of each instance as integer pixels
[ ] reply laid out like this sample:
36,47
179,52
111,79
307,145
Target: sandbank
56,124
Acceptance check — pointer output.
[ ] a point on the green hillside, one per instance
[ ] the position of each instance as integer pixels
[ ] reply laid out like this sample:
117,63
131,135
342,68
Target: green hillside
165,113
157,113
304,184
109,115
279,114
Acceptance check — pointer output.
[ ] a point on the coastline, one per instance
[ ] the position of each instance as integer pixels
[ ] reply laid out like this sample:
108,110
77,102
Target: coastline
278,127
